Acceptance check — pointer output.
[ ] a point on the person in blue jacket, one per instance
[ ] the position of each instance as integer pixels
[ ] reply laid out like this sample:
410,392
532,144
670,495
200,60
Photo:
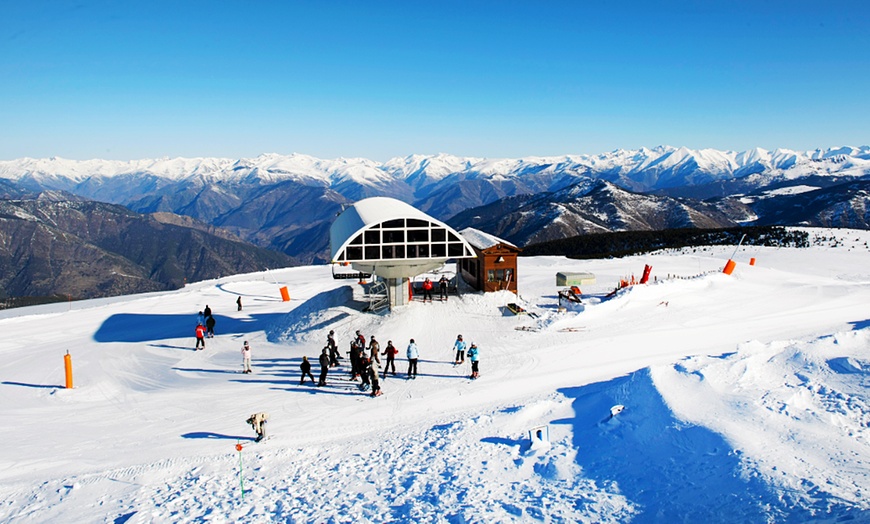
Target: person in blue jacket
413,354
459,346
474,356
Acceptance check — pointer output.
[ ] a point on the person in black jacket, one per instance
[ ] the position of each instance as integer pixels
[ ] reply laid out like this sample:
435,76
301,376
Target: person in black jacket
305,366
356,352
442,287
324,367
334,356
209,326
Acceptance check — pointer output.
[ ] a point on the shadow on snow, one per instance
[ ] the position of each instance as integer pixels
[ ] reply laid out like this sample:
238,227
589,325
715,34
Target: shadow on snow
130,327
673,471
210,435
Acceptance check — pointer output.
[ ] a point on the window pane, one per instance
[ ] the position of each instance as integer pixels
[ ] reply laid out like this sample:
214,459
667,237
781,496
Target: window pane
416,222
490,275
373,252
439,235
392,237
452,237
387,252
357,241
422,250
373,237
418,235
454,250
394,224
354,253
400,251
439,250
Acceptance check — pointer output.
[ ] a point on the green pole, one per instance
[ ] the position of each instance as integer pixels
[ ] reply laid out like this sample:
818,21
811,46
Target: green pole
241,479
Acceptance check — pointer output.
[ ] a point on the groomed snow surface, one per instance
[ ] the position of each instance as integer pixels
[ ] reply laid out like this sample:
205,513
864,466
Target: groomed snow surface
746,400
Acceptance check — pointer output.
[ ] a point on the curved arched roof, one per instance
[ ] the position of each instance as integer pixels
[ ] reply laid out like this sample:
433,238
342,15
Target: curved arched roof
393,239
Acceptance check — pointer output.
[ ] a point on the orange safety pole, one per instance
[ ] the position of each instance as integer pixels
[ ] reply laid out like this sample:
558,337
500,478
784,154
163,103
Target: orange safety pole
67,367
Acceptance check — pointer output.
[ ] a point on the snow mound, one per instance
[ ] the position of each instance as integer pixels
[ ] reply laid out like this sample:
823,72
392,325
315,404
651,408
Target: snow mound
798,412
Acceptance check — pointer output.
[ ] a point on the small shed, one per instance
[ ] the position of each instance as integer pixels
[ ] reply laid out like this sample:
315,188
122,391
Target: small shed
495,267
565,279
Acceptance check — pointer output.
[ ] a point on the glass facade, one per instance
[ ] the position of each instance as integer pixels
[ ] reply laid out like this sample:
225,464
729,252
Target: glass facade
404,239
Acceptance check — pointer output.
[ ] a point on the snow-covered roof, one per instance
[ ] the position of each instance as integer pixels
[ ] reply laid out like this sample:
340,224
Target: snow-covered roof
481,240
393,239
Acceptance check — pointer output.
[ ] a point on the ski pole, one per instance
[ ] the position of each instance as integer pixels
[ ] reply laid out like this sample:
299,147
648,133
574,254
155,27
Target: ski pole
738,246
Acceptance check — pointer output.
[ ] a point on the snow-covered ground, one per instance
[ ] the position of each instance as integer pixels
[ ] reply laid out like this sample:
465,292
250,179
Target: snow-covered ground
746,400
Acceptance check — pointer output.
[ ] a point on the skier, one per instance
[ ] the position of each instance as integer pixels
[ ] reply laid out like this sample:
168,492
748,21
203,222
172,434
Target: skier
364,364
427,290
209,325
258,422
374,348
373,376
442,288
413,354
391,353
305,366
246,358
474,356
239,303
356,352
324,367
360,339
334,356
207,311
459,346
200,336
200,318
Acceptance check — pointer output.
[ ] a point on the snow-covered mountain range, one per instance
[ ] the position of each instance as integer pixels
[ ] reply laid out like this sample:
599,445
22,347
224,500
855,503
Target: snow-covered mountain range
286,202
639,170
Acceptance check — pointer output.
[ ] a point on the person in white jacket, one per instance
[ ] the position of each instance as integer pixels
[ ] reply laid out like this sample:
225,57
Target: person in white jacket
258,422
246,358
413,354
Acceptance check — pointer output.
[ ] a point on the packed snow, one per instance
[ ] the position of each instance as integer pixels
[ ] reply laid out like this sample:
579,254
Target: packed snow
698,397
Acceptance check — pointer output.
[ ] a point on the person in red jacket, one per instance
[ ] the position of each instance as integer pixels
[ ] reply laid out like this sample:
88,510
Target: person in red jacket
200,336
391,353
427,290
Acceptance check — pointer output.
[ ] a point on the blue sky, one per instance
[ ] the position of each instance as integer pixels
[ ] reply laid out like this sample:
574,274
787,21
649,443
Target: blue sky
125,80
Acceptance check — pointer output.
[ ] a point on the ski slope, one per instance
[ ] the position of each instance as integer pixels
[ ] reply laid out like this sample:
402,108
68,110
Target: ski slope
746,399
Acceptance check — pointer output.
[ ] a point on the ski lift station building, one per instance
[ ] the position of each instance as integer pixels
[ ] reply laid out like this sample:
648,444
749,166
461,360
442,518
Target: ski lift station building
495,267
395,241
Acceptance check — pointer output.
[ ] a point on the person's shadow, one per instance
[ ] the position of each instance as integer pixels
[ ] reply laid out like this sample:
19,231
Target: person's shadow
217,436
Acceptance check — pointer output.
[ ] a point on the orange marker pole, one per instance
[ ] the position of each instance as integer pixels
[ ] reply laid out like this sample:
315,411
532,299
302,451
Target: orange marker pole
67,367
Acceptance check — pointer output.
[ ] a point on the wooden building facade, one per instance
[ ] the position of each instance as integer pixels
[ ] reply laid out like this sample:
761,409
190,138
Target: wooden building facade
495,267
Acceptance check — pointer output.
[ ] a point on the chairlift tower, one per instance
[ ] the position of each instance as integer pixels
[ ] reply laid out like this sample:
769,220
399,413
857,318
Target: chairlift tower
394,241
